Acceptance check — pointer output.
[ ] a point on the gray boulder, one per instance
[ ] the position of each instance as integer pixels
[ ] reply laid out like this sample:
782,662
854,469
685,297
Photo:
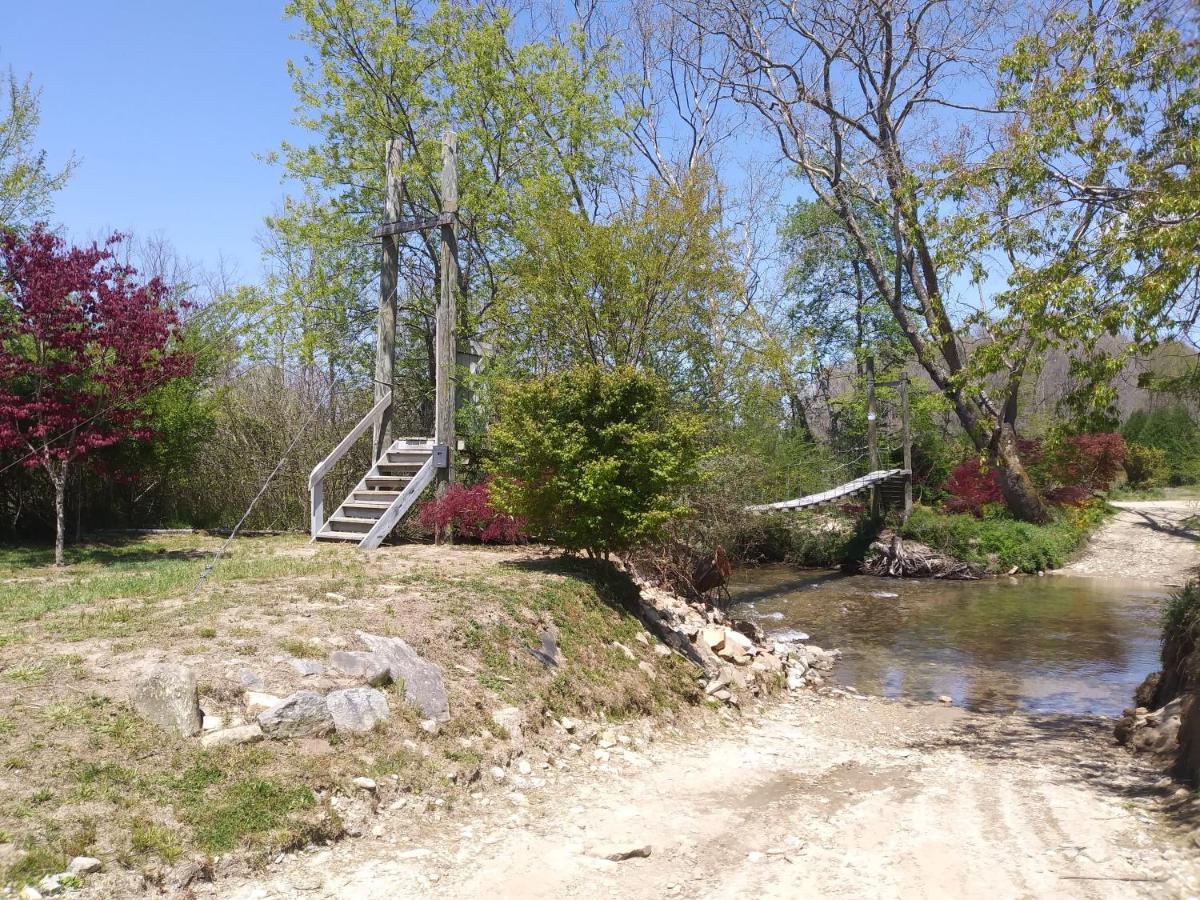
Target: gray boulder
423,685
357,710
228,737
167,695
365,666
303,714
307,667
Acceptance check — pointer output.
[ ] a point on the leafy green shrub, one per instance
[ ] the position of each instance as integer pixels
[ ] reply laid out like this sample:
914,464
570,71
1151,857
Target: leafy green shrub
1144,466
1173,430
998,544
593,460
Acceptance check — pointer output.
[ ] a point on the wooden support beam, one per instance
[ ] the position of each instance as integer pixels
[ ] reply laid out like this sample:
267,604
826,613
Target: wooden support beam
408,226
907,445
389,277
447,315
872,435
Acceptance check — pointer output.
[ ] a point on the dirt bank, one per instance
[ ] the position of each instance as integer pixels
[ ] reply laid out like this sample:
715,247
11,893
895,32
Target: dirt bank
1145,541
819,797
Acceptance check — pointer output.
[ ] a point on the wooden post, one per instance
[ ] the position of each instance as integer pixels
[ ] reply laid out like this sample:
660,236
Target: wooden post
907,444
389,277
872,435
446,344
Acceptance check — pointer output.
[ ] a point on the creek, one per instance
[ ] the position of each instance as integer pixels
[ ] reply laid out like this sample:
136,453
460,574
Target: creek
1053,644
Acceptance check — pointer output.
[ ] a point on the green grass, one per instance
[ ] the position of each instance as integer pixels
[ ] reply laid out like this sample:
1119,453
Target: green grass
999,544
155,796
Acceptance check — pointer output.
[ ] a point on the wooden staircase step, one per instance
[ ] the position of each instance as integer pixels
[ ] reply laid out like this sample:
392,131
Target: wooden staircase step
349,523
384,497
354,536
387,481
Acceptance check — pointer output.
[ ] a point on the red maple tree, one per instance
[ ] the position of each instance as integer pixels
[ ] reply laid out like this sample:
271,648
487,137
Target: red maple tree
82,341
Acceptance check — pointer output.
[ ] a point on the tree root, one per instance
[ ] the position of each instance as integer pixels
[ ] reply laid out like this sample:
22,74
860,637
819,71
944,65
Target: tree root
890,557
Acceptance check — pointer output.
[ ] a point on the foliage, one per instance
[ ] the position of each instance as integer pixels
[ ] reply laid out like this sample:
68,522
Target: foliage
1144,466
26,181
537,132
1181,615
1104,100
1068,469
645,288
999,543
468,511
595,460
83,342
1088,461
1174,431
972,485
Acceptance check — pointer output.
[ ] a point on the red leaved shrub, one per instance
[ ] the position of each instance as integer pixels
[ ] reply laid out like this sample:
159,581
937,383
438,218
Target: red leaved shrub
1089,461
468,510
971,486
1067,472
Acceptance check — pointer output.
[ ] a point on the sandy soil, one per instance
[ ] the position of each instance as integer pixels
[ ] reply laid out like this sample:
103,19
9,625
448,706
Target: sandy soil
818,797
1145,541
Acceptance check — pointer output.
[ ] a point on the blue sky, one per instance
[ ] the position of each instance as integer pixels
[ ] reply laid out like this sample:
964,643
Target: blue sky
166,105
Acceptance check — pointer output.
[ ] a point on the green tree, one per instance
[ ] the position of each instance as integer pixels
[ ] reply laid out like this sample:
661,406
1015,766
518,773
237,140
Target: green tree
536,131
650,287
595,460
27,183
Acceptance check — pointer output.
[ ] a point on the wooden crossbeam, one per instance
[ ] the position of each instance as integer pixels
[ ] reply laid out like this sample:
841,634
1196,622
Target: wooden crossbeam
407,226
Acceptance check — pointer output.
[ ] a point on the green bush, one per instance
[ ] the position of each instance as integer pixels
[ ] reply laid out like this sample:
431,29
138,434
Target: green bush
1144,466
593,460
1173,430
998,544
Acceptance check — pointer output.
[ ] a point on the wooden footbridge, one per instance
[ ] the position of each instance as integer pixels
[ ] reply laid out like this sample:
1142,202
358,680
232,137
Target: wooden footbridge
891,484
890,489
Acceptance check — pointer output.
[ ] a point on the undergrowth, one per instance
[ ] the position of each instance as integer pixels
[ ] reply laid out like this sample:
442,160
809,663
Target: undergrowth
1000,544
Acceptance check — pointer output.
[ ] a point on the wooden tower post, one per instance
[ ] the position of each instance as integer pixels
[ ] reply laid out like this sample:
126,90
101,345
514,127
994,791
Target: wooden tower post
872,436
445,343
907,444
389,276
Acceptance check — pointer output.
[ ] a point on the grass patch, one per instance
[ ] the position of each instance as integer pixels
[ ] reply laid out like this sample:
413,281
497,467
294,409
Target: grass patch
251,807
999,544
301,648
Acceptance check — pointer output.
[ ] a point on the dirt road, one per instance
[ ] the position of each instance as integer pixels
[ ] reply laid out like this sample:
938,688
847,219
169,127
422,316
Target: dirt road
819,797
1146,541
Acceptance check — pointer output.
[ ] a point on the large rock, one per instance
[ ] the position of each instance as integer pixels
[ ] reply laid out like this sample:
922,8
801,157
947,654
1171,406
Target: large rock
303,714
357,710
364,666
228,737
423,685
167,695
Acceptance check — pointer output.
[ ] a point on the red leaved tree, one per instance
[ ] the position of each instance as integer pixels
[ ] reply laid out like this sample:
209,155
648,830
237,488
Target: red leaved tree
82,341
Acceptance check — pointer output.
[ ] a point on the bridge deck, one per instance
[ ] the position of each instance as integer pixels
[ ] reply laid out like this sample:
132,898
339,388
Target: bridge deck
871,479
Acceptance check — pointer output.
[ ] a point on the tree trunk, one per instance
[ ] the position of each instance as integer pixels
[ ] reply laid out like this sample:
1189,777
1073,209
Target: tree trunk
60,511
1020,494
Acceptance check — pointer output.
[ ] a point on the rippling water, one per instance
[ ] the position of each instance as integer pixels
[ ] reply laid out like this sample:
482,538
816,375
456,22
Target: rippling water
1055,644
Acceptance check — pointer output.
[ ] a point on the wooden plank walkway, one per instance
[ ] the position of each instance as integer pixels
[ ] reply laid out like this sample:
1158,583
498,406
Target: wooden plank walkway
866,482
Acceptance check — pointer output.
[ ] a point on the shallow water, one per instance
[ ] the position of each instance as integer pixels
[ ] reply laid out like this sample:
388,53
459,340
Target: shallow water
1055,644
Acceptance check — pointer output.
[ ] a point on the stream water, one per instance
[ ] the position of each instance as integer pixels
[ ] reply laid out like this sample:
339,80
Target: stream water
1055,644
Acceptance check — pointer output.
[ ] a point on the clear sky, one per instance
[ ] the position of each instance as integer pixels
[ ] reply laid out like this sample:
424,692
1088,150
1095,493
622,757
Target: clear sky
166,104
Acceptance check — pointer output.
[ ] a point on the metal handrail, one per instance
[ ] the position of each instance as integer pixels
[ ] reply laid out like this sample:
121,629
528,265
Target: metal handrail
316,478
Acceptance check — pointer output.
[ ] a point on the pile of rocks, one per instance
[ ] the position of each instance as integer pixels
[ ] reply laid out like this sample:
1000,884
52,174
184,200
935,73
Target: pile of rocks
735,656
56,884
168,695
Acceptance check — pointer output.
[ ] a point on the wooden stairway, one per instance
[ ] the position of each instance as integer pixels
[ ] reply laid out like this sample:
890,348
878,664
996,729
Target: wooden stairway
383,496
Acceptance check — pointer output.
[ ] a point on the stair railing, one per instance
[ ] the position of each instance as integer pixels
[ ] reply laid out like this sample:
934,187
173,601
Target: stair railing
316,478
